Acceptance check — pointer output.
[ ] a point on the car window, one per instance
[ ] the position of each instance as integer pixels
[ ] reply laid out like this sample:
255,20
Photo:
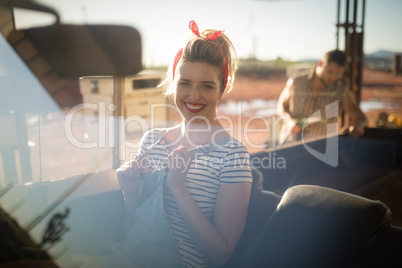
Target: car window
42,135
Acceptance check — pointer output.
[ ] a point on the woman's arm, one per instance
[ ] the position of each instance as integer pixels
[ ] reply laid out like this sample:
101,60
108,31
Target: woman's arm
217,239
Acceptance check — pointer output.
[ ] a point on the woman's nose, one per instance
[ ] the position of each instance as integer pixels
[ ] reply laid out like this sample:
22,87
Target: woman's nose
195,93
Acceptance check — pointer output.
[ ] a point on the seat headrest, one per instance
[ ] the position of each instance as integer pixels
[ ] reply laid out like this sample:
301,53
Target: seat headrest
334,204
326,224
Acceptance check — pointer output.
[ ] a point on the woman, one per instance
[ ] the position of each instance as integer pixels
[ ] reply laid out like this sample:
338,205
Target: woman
205,196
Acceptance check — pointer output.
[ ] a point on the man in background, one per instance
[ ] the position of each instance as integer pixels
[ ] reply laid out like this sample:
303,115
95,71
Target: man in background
311,103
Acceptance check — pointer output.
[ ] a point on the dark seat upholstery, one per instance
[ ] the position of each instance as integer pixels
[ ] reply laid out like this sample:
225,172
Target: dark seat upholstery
385,249
261,207
314,226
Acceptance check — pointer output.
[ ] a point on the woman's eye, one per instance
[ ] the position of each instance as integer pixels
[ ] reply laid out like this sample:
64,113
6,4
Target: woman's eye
184,83
208,86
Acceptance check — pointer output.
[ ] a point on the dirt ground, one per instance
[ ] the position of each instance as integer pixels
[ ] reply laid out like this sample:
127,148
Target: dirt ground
386,89
382,88
249,88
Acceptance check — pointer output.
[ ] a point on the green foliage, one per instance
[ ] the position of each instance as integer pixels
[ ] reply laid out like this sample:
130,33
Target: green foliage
255,67
263,69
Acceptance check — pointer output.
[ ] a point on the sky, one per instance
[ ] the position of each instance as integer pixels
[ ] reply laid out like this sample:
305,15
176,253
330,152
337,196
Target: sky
290,29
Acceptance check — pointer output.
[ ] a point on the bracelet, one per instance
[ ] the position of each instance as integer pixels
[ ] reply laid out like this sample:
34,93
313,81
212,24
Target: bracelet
300,121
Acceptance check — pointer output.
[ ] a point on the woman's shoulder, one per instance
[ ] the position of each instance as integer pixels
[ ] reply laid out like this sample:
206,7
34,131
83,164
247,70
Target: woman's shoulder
234,145
153,135
155,131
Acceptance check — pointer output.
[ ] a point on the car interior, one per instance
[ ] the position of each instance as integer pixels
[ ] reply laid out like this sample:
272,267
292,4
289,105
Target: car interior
309,214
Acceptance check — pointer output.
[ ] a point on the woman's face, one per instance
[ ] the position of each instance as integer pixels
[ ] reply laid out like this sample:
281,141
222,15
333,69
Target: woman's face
198,91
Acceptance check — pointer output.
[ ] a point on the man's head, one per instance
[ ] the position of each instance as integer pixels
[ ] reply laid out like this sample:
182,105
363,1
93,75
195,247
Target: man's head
335,56
331,66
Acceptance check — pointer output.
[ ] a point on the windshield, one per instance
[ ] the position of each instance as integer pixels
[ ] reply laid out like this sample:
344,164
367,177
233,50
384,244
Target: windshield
62,138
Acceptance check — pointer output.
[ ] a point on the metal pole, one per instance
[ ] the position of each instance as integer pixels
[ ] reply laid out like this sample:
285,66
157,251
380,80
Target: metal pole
363,14
361,54
355,2
119,116
337,24
354,48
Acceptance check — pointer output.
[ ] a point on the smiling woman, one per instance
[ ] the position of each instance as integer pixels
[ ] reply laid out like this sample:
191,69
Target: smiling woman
205,188
198,92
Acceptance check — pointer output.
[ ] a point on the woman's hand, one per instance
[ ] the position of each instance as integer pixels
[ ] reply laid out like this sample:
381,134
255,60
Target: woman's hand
179,163
129,173
128,176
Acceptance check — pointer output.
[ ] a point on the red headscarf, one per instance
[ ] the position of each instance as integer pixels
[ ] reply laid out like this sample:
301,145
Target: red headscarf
194,28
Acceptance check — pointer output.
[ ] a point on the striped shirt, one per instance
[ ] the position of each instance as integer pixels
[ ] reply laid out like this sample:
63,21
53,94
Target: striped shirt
229,163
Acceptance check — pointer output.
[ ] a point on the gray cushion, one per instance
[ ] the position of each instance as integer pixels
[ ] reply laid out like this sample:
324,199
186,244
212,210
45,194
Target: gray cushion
316,226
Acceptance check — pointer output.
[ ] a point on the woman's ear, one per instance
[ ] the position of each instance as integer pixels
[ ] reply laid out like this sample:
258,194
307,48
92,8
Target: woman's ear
220,95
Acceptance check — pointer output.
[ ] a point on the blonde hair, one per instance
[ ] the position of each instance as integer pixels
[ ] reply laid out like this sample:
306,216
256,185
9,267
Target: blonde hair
213,52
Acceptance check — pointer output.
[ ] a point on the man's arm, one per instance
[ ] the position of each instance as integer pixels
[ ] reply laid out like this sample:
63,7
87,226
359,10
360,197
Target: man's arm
283,108
358,118
283,101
